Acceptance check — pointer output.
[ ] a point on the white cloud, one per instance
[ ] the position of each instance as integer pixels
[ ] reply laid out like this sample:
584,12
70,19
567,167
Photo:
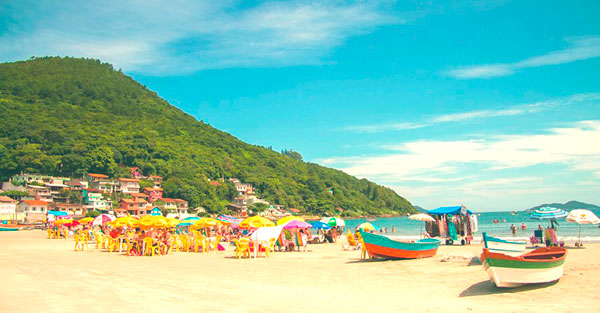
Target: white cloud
473,115
580,48
163,37
575,147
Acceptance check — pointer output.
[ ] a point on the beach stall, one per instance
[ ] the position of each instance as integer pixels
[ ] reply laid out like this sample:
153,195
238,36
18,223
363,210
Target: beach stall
452,223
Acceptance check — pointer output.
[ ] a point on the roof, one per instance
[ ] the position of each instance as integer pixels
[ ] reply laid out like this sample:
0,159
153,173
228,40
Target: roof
73,183
155,176
180,200
168,200
93,190
340,209
448,210
138,194
35,202
295,210
133,201
97,175
214,183
153,189
6,199
133,180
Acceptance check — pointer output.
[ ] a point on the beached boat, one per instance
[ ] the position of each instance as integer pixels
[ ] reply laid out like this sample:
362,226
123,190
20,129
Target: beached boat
541,265
510,247
383,247
8,229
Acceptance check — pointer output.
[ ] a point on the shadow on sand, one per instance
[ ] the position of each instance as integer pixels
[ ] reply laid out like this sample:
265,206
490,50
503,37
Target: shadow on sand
486,287
375,260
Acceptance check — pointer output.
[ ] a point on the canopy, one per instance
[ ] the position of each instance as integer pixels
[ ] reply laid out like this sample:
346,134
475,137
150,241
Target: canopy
152,221
229,219
256,222
321,225
205,222
583,217
296,224
288,219
421,217
123,221
366,226
266,233
57,213
546,213
449,210
333,221
86,220
172,222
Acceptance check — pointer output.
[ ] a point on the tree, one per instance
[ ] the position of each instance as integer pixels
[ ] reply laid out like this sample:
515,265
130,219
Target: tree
292,154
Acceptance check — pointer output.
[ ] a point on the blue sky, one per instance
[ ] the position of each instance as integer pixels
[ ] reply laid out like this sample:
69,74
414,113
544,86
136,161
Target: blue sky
495,106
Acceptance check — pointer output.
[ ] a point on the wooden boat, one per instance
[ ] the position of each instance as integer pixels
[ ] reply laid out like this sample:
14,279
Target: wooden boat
541,265
8,229
383,247
509,247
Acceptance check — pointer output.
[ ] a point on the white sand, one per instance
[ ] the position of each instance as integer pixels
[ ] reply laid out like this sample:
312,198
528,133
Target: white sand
43,275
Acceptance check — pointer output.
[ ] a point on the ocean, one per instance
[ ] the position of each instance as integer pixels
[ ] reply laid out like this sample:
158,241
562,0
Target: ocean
566,231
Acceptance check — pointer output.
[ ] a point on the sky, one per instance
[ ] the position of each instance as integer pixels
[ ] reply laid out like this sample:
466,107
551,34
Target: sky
490,104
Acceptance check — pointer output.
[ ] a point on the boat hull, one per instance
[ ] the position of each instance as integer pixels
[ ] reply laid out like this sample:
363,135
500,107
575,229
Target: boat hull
509,247
386,248
539,266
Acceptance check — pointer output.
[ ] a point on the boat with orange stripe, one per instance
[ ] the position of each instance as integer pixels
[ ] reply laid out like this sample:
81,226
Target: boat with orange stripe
383,247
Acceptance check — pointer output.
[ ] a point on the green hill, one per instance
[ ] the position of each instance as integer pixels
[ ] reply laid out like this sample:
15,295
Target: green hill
568,206
68,116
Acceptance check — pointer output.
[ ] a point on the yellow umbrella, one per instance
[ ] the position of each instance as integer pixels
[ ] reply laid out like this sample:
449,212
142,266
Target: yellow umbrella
205,222
63,221
290,218
366,226
256,222
124,221
153,221
172,222
86,220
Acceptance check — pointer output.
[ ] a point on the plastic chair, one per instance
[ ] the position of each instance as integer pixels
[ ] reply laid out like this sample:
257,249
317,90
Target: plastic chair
110,243
216,243
51,234
200,241
270,247
99,240
241,248
184,242
149,246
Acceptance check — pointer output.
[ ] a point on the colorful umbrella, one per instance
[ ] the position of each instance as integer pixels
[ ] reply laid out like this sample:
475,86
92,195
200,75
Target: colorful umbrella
86,220
582,217
205,222
333,221
289,218
103,219
366,227
321,225
423,218
229,219
123,221
256,222
546,213
172,222
296,224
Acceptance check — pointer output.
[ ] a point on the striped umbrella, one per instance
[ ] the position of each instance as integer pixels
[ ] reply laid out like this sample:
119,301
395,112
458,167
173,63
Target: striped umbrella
548,213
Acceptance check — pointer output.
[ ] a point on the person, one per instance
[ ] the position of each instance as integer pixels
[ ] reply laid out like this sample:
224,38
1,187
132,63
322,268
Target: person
540,227
513,229
393,229
523,226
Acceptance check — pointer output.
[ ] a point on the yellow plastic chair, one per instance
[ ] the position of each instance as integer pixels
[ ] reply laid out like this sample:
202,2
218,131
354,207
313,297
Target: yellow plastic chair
241,248
216,243
110,243
200,241
149,246
51,234
99,240
81,239
270,247
184,242
351,240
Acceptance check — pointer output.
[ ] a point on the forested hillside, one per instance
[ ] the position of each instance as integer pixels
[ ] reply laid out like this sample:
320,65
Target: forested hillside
68,116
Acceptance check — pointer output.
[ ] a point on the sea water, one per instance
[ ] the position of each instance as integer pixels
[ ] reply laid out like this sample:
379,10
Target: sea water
566,231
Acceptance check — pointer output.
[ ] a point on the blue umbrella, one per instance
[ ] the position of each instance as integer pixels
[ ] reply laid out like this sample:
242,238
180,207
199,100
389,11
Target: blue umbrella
548,213
320,225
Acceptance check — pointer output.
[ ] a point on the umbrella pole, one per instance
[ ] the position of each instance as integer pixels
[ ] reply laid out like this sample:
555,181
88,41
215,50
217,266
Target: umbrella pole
579,243
421,231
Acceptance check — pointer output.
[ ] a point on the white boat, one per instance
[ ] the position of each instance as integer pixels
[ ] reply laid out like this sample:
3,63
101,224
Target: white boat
508,247
542,265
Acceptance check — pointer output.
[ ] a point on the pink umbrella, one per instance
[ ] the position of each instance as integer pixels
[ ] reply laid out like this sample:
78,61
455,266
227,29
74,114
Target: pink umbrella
296,224
103,219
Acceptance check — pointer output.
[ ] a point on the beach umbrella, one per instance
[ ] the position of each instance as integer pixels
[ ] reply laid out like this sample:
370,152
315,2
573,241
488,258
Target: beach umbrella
229,219
189,219
256,222
289,218
152,221
296,224
366,227
321,225
333,221
86,220
123,221
580,216
103,219
205,222
172,222
547,213
423,218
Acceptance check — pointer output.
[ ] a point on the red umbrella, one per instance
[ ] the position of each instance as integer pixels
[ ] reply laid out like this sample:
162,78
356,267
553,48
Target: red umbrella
103,219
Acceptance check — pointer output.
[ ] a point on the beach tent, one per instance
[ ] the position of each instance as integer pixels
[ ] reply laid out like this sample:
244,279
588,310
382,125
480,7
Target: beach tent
266,233
452,210
453,223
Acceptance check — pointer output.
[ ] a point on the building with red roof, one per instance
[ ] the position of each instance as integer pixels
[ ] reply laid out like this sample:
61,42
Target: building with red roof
34,210
129,185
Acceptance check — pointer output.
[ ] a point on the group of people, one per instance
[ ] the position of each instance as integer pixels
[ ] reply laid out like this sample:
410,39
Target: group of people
513,228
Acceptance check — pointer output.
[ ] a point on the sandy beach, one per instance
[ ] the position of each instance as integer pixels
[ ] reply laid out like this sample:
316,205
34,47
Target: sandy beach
43,275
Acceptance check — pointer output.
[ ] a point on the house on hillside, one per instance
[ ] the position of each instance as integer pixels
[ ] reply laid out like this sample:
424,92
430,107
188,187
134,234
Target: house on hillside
136,173
168,205
153,193
40,193
34,210
102,182
72,209
157,180
129,185
133,207
94,200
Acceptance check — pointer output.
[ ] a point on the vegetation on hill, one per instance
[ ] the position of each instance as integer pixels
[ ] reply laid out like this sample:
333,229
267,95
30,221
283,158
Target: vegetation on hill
568,206
69,116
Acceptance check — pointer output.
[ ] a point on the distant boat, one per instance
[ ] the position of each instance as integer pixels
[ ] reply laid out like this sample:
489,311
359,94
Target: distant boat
509,247
514,212
383,247
541,265
371,220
